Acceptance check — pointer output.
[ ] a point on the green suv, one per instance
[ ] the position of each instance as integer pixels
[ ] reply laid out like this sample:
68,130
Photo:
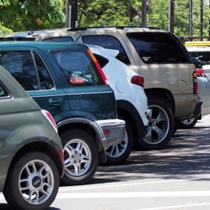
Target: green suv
66,80
31,155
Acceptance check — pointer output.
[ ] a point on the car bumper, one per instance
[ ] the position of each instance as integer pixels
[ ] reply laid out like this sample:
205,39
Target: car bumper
187,105
197,111
114,131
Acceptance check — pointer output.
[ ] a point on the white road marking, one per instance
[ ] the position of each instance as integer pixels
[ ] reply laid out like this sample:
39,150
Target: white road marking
134,194
178,206
130,183
130,194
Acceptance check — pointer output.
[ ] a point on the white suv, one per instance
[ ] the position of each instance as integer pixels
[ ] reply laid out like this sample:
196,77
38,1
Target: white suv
130,97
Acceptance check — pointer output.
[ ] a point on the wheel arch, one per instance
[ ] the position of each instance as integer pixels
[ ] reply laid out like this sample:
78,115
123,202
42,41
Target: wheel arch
164,94
129,112
90,127
40,146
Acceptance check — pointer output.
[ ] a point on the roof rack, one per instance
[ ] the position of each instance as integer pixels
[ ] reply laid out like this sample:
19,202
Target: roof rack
104,27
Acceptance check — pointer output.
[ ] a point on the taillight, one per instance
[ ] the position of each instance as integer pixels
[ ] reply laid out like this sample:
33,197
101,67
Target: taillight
138,80
200,72
195,82
98,67
50,118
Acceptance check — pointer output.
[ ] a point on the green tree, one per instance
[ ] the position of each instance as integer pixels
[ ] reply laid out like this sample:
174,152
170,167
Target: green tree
158,15
20,15
25,14
108,12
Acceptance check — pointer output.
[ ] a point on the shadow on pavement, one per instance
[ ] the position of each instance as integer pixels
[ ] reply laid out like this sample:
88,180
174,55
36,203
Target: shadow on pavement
186,155
7,207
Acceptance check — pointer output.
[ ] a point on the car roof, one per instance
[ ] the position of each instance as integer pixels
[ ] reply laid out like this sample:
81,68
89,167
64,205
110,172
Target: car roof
41,34
43,45
198,49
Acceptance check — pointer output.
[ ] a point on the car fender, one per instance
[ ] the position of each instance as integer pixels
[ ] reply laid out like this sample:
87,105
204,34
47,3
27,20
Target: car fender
83,121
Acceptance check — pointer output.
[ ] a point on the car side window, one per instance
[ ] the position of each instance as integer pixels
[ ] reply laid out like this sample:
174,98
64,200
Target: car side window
109,42
31,75
3,92
156,48
45,81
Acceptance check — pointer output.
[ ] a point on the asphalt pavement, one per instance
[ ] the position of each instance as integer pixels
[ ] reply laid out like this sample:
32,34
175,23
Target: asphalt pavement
175,178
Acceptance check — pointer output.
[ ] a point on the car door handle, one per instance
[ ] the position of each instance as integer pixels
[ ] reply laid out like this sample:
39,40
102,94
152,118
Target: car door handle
55,101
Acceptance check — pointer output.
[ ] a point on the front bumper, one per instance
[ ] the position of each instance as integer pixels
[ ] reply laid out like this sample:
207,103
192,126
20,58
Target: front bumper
114,131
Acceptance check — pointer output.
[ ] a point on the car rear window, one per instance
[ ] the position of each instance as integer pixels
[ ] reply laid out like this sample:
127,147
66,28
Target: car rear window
101,60
109,42
78,67
157,48
202,56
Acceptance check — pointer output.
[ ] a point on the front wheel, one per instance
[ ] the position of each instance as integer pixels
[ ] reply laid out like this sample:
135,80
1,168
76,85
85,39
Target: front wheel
118,154
161,125
32,183
80,157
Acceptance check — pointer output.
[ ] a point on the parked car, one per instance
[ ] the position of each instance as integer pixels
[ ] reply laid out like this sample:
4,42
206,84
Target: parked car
31,155
201,55
131,100
159,56
65,79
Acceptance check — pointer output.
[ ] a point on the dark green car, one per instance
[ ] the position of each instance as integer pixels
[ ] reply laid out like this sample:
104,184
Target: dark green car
31,158
65,79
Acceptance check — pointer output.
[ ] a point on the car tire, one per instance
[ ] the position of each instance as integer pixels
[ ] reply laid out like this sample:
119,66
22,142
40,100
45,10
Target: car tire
161,125
187,123
32,182
80,156
118,154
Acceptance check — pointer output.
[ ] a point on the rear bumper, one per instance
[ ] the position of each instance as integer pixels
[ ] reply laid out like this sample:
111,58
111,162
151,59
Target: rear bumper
114,131
197,111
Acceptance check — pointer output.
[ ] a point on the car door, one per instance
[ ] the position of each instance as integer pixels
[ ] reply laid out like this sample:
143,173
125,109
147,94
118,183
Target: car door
31,72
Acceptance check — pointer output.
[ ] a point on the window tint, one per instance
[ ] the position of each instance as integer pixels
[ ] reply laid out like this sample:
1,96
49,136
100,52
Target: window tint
157,48
45,81
109,42
3,92
21,65
78,67
59,39
101,60
202,56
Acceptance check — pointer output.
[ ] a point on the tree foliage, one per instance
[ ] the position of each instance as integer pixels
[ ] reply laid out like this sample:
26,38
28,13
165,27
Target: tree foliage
37,14
19,15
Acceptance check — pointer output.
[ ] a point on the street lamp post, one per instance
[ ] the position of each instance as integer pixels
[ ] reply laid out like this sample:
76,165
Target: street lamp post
171,15
144,13
201,18
190,18
71,13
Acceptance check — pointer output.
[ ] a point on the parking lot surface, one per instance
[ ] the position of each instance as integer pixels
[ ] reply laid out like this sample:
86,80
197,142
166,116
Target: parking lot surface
177,178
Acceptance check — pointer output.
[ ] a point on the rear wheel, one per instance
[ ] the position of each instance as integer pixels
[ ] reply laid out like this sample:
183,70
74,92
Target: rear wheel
187,123
80,157
32,182
118,154
161,125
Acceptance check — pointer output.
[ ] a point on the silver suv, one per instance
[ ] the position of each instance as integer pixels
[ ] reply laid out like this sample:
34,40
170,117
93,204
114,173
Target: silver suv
160,57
